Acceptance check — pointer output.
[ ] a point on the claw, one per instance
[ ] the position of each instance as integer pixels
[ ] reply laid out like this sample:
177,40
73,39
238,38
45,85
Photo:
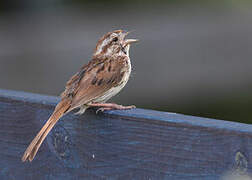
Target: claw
99,110
103,109
120,107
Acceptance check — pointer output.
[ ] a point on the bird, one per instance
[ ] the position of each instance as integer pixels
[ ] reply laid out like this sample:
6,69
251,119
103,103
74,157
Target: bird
101,78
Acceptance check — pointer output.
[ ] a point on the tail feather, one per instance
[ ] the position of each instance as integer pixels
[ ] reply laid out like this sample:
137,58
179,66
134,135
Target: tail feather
32,149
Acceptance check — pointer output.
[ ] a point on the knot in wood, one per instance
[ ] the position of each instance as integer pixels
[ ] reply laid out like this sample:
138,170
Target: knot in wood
241,163
60,141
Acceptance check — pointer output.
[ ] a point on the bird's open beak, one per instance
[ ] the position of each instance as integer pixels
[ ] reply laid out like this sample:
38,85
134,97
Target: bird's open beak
128,41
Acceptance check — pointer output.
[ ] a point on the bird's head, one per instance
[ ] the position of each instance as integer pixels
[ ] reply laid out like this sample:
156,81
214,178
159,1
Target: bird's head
114,43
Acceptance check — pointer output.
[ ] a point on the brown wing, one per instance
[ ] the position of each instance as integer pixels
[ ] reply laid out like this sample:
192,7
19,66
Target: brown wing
94,80
73,82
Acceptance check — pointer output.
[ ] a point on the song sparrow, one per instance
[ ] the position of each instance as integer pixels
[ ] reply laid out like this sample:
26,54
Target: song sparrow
96,82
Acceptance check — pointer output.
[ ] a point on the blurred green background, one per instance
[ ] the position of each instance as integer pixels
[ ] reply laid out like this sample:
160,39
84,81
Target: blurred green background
194,57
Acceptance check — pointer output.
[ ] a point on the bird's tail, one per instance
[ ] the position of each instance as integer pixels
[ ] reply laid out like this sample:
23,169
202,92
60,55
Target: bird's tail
59,111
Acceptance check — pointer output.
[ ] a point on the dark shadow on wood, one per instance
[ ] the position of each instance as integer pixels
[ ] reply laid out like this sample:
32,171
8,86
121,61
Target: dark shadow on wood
132,144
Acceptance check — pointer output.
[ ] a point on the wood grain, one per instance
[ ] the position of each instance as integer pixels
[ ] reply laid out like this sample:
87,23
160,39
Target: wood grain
132,144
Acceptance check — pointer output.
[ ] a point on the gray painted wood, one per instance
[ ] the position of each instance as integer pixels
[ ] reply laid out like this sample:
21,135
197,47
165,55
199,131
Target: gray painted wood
132,144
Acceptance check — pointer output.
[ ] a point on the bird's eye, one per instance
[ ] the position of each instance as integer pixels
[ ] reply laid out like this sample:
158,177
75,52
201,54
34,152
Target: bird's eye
115,39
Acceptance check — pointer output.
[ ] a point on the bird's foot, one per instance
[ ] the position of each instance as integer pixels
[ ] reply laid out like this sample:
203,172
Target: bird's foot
110,106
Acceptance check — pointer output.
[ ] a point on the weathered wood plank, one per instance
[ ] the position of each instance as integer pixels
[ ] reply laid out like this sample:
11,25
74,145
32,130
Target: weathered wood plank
132,144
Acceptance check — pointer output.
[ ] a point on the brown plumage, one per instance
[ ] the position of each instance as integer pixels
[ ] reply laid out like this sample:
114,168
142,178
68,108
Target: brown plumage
103,77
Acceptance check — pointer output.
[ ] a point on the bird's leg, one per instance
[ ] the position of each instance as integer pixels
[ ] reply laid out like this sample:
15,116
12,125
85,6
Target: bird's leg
82,109
110,106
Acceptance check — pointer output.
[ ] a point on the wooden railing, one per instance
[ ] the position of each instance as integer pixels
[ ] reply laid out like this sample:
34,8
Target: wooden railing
131,144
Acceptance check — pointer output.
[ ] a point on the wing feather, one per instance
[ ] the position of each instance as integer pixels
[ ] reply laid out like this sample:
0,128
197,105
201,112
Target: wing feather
94,80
